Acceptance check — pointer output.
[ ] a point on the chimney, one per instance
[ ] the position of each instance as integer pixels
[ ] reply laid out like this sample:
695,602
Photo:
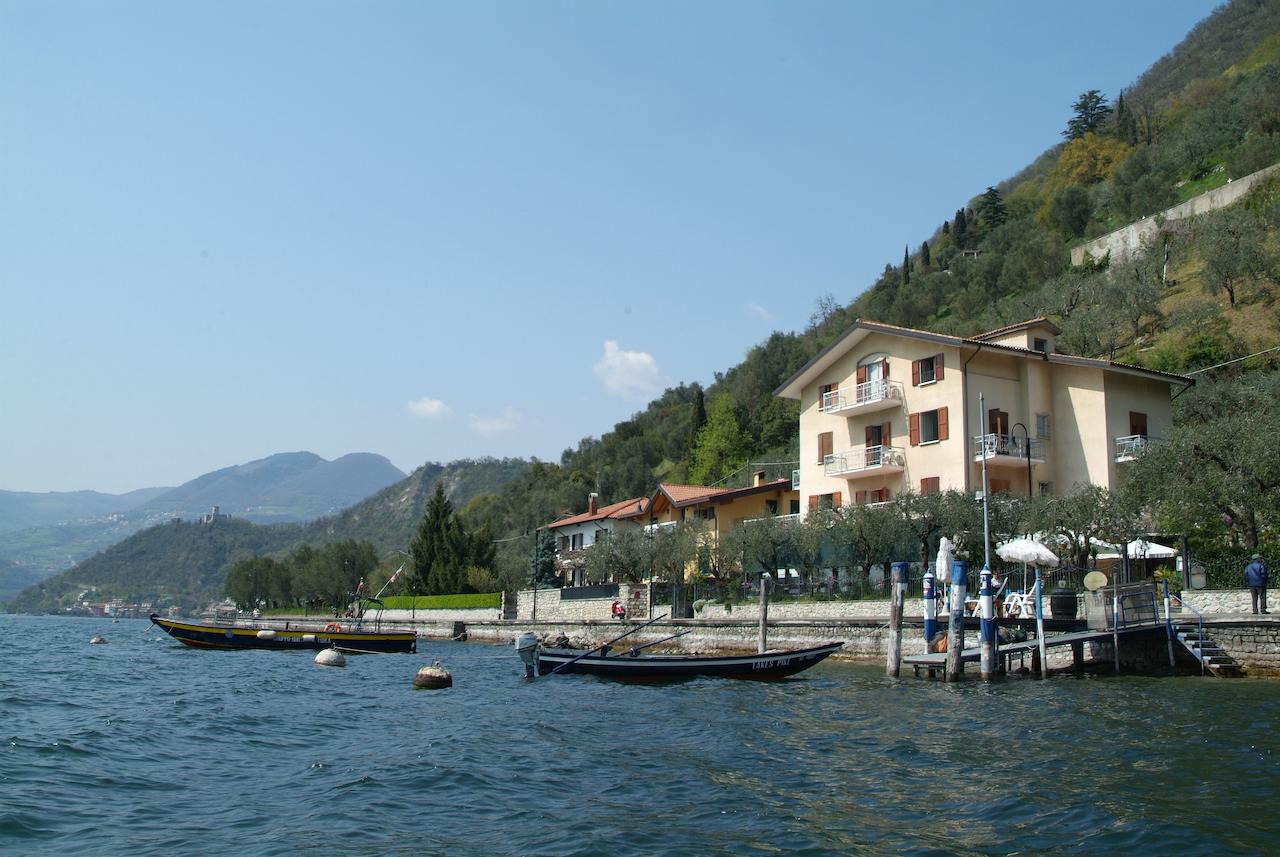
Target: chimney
593,503
757,479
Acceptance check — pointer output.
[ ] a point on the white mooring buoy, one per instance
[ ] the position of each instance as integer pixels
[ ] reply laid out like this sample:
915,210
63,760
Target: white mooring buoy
331,658
433,677
98,640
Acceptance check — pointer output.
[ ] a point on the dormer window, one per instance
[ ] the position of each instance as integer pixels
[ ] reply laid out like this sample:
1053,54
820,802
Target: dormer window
1041,345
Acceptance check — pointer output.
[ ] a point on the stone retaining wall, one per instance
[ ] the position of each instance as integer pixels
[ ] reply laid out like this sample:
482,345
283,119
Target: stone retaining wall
1128,240
1211,601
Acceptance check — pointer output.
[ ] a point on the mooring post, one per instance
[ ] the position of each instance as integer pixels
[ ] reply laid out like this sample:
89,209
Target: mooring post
1044,659
955,629
930,609
1115,624
763,643
1077,659
894,662
988,628
1168,626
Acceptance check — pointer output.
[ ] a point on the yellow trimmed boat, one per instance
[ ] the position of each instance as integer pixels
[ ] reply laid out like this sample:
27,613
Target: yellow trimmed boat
346,637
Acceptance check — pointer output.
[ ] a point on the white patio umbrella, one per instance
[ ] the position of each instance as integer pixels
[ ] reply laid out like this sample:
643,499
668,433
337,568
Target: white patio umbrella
1028,551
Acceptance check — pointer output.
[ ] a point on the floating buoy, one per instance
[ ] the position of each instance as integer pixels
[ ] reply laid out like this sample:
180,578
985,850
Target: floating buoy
433,677
266,634
331,658
98,640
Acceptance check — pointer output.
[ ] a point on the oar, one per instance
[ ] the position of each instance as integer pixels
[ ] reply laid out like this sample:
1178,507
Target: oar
635,649
610,643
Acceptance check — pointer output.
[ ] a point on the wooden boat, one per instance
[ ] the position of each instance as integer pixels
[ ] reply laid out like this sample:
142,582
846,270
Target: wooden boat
290,635
657,668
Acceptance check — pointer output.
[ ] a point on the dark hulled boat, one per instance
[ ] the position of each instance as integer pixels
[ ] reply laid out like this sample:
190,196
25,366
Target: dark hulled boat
290,635
658,668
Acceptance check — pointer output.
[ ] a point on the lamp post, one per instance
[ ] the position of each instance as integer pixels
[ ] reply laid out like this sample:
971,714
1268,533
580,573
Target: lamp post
1026,440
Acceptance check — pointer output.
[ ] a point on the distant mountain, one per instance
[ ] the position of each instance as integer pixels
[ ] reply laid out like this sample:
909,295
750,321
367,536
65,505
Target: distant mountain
184,563
21,510
289,487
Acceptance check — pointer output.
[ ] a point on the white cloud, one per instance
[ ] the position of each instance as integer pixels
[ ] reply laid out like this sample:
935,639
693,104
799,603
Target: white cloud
629,374
428,408
756,309
508,420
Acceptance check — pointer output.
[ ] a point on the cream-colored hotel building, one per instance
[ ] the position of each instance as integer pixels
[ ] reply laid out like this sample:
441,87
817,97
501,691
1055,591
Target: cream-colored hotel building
886,409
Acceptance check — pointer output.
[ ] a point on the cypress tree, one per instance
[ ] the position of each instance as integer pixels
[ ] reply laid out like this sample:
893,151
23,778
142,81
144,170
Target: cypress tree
906,265
946,227
696,421
962,229
924,254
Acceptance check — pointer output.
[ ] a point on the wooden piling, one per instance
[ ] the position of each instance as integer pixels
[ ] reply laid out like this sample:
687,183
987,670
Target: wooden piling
1077,659
899,594
763,644
955,629
1043,660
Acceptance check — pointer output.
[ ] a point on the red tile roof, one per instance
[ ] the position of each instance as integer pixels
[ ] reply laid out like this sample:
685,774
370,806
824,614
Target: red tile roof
622,509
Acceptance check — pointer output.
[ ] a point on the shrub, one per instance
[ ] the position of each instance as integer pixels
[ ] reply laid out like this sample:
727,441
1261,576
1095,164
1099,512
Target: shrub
441,602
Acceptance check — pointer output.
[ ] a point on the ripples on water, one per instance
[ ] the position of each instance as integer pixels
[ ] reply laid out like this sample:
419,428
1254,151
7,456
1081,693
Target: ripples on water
143,747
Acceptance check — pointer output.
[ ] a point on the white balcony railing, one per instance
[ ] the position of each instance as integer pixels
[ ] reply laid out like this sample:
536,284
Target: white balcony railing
779,518
862,397
862,460
1129,447
650,529
1007,446
795,480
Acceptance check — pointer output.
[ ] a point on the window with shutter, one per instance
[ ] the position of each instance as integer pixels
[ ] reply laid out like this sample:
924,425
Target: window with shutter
813,502
862,374
942,423
1137,423
937,367
913,429
886,437
915,373
860,497
835,500
825,446
930,485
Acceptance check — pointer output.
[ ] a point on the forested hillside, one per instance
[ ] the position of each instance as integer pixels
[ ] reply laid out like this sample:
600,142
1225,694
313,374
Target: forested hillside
1204,114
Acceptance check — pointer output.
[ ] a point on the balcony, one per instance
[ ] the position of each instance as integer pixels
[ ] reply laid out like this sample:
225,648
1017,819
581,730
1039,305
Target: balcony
782,519
862,398
1130,447
866,461
1007,449
795,480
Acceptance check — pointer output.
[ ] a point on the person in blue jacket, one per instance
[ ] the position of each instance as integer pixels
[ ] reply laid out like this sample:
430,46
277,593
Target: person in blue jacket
1255,577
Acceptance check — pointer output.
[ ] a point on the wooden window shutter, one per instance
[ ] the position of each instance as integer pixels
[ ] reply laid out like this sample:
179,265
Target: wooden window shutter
835,385
862,374
884,368
835,500
930,485
999,486
915,373
825,447
942,423
937,367
813,502
860,497
913,426
869,435
885,437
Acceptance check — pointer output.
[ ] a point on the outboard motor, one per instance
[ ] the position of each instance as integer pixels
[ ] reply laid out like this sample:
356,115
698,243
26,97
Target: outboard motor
527,649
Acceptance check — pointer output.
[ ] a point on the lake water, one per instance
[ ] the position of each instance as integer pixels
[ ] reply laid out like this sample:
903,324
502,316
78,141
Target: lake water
143,747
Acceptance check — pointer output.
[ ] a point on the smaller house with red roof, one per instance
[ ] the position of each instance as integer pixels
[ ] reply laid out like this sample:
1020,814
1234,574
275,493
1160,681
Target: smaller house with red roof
576,533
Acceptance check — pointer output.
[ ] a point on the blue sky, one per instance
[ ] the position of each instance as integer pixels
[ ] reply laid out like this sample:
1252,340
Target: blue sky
437,231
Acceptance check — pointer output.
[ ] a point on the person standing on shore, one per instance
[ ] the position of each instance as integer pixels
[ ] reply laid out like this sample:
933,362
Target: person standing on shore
1255,577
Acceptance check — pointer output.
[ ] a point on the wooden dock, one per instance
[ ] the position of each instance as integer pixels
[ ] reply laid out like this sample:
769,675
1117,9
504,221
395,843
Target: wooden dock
937,662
